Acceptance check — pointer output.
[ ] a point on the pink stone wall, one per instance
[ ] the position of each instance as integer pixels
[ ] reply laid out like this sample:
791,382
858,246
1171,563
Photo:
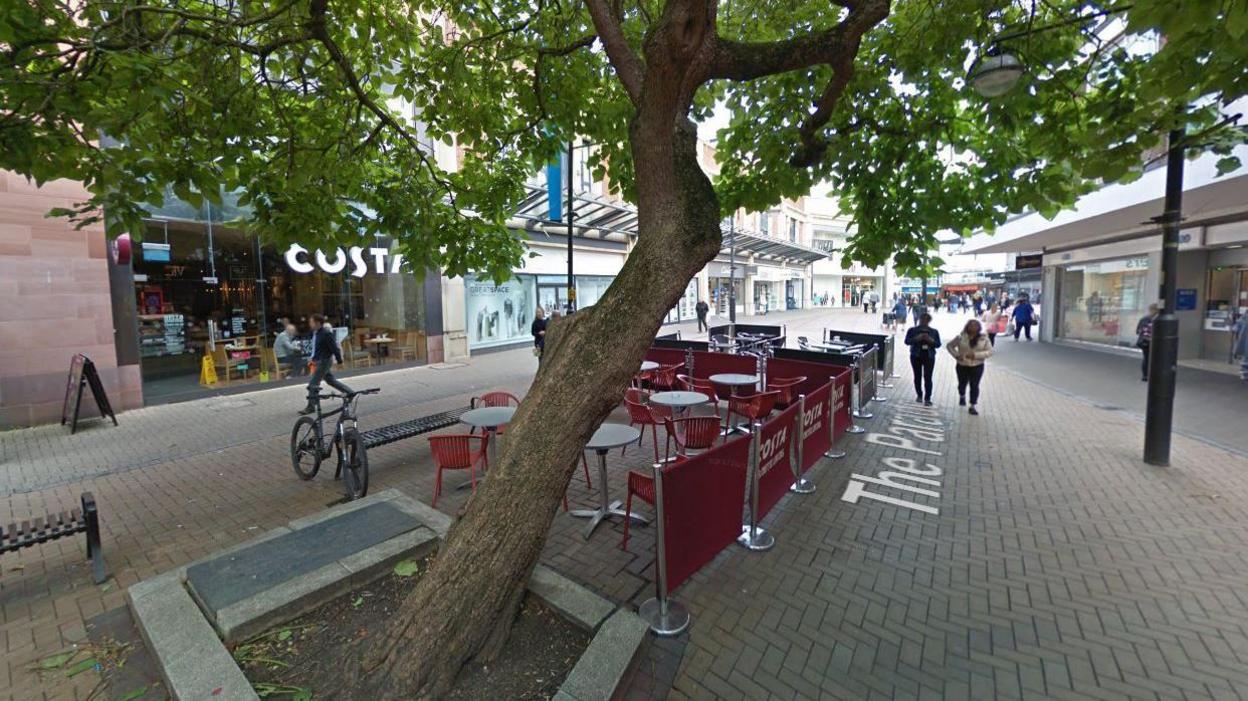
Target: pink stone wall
54,302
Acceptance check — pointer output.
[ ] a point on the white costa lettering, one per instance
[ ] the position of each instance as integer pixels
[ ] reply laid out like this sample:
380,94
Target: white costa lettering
337,260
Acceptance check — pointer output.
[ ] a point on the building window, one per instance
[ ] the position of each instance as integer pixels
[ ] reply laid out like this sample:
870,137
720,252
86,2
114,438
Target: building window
763,221
1101,302
793,230
499,314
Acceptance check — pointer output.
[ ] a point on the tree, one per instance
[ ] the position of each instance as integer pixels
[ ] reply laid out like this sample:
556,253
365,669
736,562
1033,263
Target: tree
307,107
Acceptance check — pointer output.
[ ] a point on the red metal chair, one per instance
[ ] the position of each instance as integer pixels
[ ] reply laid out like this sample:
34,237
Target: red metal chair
642,415
496,398
636,394
694,433
787,387
456,452
642,485
664,378
697,384
752,407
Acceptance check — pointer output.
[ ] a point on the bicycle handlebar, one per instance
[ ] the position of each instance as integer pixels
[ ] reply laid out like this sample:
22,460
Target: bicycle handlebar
350,395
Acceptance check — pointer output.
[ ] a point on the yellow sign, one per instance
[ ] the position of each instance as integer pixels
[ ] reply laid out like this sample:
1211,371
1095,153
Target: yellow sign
207,372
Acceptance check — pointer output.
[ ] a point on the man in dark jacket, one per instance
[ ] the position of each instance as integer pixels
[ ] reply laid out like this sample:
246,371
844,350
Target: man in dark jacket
924,342
325,352
1024,317
702,310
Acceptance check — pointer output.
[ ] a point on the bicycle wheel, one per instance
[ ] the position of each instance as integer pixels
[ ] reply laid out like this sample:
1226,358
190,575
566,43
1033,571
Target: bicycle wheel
354,457
305,449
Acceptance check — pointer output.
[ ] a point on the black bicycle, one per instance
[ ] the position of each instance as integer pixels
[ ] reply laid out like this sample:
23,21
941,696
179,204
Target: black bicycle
309,444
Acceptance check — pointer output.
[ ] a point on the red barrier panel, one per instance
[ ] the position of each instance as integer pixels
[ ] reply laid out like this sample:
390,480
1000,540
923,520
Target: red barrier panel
702,503
707,363
816,427
816,374
666,356
842,387
775,459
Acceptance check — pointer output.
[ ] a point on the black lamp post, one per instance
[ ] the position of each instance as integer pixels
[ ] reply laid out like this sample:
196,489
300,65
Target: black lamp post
996,73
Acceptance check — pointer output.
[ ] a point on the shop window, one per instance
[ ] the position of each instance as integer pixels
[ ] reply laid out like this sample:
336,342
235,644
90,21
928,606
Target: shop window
500,313
1101,302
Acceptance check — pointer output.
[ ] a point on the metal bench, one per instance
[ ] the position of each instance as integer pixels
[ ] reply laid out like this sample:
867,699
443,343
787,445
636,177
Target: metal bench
409,429
54,526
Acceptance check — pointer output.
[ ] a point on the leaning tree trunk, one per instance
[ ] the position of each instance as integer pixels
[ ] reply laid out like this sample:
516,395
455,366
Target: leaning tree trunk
465,604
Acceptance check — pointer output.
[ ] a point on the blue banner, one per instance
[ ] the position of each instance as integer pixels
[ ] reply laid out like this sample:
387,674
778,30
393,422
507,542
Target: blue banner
554,189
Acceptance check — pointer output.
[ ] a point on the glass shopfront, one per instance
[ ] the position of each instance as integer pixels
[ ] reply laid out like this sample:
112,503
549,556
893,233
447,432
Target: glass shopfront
211,301
1101,302
502,314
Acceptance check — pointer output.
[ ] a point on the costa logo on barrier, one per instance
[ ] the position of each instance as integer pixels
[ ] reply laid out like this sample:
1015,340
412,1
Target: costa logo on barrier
838,397
812,420
297,260
771,452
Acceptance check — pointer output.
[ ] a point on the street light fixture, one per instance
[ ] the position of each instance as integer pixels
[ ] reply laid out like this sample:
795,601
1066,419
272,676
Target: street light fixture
995,73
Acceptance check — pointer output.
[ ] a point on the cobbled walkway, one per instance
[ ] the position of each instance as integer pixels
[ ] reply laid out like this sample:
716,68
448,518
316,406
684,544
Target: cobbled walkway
1058,565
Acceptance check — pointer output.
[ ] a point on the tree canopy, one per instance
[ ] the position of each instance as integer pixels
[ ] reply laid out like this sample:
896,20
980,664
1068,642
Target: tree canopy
322,113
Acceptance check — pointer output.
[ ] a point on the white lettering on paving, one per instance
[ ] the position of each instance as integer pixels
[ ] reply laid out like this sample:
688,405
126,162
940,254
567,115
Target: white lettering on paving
905,474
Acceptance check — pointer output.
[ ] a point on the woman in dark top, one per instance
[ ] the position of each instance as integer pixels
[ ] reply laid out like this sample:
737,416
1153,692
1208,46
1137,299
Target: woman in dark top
923,341
538,329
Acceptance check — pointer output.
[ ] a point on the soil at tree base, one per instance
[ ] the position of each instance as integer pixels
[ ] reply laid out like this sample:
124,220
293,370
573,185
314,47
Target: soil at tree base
541,650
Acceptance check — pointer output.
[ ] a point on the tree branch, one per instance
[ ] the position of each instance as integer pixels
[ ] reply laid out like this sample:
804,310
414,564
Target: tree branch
835,47
622,57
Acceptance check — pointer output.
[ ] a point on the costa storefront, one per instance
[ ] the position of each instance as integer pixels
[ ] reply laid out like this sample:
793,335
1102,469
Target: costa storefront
207,302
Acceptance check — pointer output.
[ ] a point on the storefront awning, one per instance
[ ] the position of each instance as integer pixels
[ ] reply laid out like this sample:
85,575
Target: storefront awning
771,248
591,215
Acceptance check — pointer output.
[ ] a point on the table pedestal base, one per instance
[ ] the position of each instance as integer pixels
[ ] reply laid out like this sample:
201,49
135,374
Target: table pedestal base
855,428
834,454
597,516
666,618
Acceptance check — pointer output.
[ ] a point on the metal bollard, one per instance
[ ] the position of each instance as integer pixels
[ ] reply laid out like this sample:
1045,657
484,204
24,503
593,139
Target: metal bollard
666,616
800,485
832,451
689,362
752,537
860,403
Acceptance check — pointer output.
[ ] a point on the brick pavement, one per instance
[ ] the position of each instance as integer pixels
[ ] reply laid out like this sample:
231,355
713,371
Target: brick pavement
1058,566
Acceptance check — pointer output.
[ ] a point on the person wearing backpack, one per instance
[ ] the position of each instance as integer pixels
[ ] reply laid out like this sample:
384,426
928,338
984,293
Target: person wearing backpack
1144,338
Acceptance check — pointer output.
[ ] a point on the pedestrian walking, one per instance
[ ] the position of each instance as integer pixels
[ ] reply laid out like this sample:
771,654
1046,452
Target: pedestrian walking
923,341
1024,317
1241,346
899,313
325,352
970,348
538,329
978,302
991,320
1144,338
875,300
702,309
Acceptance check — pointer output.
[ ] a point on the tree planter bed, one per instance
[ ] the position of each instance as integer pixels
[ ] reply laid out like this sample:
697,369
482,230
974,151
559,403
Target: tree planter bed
184,623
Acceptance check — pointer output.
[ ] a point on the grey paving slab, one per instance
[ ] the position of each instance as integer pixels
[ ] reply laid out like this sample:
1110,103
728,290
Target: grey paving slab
194,663
607,659
292,556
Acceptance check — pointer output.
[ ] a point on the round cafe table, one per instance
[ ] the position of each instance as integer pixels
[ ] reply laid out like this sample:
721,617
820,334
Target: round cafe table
380,346
678,401
734,381
648,365
489,418
607,436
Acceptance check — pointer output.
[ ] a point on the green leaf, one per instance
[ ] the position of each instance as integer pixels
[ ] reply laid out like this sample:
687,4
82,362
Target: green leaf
406,568
134,694
81,667
58,660
284,635
357,602
1228,164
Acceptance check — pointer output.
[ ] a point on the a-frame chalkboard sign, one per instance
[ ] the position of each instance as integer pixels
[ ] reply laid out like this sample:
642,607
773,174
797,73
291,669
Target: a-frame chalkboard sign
82,373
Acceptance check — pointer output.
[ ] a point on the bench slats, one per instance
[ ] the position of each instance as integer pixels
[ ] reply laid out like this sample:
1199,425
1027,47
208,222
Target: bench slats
408,429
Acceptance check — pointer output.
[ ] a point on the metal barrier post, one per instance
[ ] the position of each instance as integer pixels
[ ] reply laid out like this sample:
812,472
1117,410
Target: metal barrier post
689,362
762,374
832,451
752,537
800,485
892,359
860,406
666,616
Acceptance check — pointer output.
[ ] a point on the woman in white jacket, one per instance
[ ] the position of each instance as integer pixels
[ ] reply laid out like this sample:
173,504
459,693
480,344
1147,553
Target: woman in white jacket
970,348
989,321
